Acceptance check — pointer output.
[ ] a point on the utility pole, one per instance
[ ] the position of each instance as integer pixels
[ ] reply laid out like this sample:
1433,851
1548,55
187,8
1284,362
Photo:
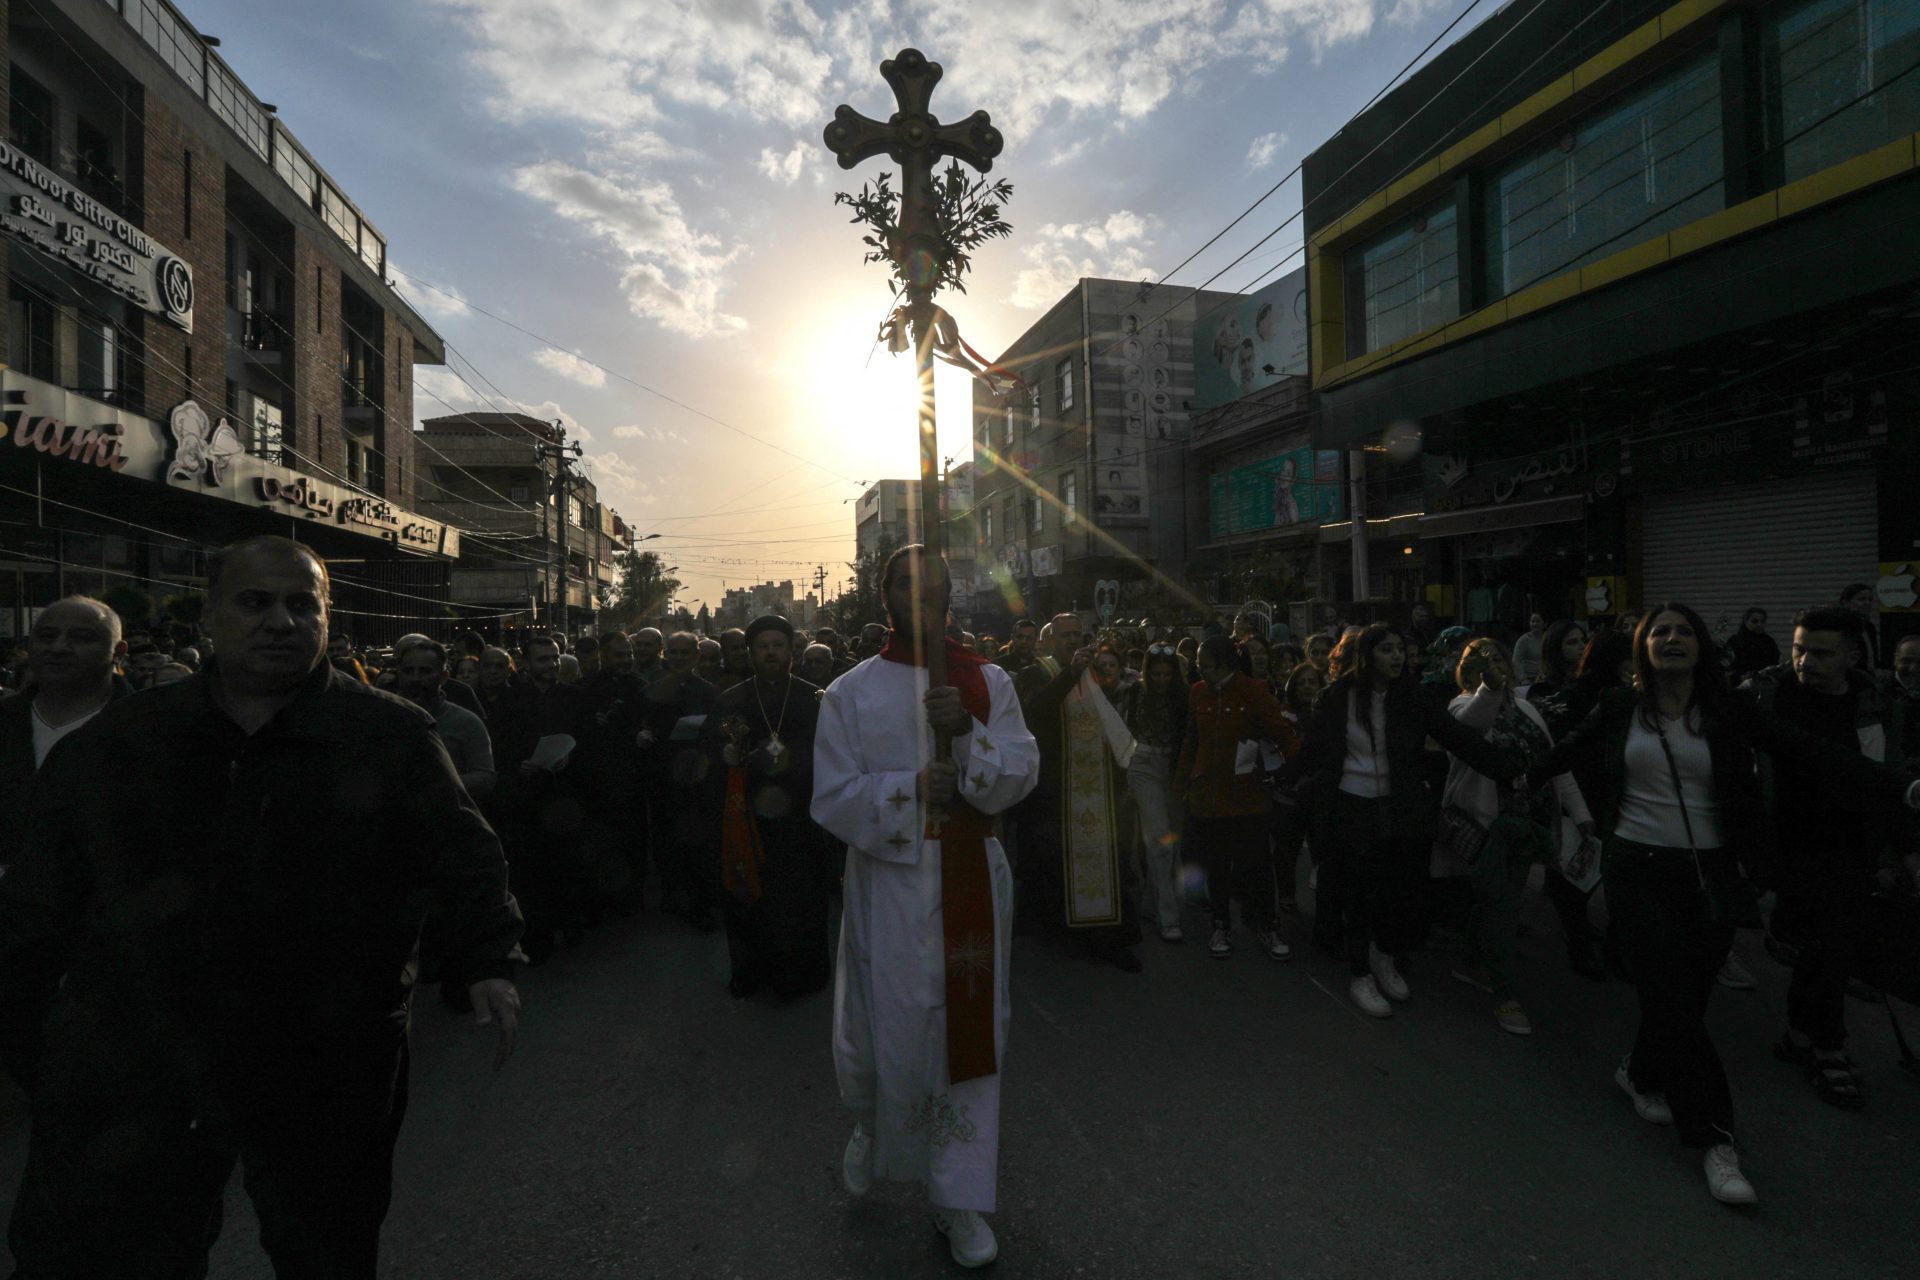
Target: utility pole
913,138
554,549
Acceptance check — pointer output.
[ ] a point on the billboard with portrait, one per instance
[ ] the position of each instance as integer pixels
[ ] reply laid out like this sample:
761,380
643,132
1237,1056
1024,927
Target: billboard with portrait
1252,343
1298,486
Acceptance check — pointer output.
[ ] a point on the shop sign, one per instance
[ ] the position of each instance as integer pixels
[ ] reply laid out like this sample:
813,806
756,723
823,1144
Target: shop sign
1843,423
67,224
1895,591
1045,561
1606,596
1456,482
99,444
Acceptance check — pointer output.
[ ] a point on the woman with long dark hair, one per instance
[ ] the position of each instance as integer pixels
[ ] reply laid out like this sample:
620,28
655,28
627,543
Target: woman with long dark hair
1678,806
1751,649
1363,752
1155,709
1560,655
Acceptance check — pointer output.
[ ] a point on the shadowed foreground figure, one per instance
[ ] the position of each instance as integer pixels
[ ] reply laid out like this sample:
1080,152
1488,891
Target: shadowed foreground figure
209,958
921,997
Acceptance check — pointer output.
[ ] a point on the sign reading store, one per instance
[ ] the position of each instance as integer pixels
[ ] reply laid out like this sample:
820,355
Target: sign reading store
72,227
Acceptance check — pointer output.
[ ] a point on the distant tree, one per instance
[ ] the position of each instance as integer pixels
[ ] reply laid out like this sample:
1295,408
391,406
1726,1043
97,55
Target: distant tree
866,597
640,595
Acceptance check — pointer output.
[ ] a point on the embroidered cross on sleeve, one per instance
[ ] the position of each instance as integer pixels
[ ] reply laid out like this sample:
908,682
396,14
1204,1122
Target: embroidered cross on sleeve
898,798
980,782
899,841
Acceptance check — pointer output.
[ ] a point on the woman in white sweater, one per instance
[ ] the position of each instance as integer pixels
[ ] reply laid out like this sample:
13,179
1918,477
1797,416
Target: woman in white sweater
1522,825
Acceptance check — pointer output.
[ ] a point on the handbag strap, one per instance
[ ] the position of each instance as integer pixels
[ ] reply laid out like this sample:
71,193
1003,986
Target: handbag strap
1680,798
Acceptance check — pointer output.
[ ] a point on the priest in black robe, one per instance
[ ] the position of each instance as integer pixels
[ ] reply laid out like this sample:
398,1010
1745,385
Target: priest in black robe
775,870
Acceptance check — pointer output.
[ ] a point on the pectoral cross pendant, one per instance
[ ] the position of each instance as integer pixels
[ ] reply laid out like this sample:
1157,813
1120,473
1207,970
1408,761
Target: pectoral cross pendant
775,748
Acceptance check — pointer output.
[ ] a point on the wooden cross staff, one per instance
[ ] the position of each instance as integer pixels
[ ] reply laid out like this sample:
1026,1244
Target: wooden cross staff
914,139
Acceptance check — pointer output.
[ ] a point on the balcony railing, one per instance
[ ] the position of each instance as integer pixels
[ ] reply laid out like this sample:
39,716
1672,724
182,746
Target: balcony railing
266,332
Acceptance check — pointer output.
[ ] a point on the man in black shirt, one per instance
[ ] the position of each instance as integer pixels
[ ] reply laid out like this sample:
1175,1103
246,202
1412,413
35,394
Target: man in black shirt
1826,848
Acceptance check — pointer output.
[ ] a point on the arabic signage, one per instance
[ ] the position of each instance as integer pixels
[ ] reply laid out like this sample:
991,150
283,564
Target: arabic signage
198,454
1293,487
67,224
1251,344
1460,482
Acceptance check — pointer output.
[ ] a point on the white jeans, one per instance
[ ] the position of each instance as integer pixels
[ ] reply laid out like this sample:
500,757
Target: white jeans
1147,783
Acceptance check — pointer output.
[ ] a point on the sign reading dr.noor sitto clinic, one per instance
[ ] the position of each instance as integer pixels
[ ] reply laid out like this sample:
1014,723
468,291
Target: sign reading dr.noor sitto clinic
72,227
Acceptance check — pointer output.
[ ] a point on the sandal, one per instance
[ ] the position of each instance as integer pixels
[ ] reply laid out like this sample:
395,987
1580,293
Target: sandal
1837,1081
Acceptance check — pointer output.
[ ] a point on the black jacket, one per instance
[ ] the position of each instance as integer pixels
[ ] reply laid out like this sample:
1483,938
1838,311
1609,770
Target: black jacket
1412,717
17,768
201,887
1597,749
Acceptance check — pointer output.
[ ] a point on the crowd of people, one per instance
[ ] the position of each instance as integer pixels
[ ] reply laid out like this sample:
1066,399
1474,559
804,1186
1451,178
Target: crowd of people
1093,786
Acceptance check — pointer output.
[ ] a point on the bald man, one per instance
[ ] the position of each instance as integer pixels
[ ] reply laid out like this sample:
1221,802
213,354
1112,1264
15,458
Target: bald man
70,663
816,665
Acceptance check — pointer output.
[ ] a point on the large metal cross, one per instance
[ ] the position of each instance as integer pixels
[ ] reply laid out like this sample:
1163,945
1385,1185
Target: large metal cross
915,139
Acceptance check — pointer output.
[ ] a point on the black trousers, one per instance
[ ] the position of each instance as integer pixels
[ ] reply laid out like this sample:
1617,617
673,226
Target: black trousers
1239,863
1830,919
126,1181
1673,950
1377,862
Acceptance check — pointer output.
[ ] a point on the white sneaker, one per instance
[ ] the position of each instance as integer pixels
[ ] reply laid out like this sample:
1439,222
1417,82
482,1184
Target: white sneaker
1219,946
1368,997
856,1163
1734,975
1171,933
1651,1107
1387,975
969,1238
1724,1179
1275,947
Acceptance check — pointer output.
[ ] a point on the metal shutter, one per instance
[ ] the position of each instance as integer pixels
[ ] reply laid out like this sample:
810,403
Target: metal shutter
1781,546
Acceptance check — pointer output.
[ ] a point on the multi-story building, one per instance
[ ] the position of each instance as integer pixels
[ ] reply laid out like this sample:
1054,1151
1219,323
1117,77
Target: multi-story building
961,539
201,340
1628,309
1079,472
741,605
888,514
495,476
1262,502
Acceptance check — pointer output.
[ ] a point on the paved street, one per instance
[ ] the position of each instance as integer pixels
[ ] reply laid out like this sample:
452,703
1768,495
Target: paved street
1201,1119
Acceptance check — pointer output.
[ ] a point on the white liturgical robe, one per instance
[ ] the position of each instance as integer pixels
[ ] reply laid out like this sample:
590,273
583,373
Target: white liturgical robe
889,1007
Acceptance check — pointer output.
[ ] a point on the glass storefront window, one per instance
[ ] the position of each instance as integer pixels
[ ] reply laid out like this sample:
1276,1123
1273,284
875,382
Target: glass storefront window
1406,280
1645,165
1841,80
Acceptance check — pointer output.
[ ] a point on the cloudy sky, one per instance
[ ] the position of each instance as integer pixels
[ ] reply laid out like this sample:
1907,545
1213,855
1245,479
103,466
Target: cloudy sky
642,182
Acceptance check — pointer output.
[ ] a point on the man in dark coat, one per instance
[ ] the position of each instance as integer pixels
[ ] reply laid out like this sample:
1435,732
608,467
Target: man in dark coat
207,947
774,859
671,769
70,670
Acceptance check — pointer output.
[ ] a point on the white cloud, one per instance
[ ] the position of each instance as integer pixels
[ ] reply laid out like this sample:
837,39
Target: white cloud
633,431
441,303
570,366
621,484
674,274
438,391
1261,151
784,169
1060,256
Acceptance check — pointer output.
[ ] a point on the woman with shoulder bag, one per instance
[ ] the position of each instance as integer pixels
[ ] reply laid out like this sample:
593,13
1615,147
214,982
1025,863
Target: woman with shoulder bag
1505,829
1678,807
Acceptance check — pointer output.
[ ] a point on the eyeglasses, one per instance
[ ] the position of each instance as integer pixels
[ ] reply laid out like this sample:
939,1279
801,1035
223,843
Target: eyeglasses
1163,650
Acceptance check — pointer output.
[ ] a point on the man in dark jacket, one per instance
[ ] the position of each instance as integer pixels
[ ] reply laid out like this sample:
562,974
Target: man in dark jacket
206,947
70,665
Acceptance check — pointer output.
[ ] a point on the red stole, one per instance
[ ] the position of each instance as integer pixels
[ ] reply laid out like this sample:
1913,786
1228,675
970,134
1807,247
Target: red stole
741,852
966,888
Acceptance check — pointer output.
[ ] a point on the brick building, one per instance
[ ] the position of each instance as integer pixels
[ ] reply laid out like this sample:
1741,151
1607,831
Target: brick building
201,340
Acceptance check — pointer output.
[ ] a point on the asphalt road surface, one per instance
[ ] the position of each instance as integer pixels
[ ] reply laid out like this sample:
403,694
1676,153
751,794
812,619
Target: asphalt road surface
1201,1119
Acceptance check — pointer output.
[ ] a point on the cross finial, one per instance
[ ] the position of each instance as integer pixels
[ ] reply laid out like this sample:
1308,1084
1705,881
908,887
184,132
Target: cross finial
912,133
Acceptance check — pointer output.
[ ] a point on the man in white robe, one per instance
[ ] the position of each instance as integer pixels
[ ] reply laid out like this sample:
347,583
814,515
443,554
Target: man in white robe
881,785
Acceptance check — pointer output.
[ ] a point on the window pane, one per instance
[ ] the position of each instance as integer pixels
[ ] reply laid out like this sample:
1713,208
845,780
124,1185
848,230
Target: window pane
1649,163
295,169
1841,77
179,50
233,104
1410,278
338,217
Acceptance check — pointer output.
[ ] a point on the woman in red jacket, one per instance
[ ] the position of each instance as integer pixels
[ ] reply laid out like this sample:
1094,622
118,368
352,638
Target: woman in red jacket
1227,806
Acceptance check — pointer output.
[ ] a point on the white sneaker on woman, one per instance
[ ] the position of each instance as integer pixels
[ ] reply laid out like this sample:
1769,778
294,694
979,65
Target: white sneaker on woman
1387,975
1368,997
969,1238
1651,1107
1724,1179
